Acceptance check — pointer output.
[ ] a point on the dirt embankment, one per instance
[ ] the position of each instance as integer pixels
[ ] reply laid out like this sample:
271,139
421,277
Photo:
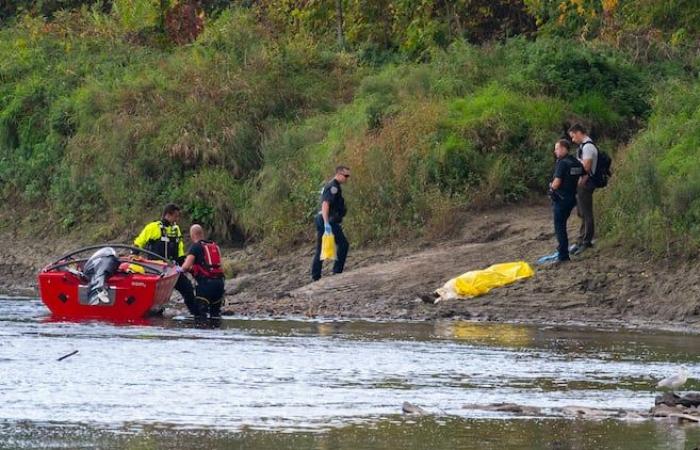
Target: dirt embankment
383,283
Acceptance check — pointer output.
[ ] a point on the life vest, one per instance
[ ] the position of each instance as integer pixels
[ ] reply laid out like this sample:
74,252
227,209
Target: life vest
211,268
169,243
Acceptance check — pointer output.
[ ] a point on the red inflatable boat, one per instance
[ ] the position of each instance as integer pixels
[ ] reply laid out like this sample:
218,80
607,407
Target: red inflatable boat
134,284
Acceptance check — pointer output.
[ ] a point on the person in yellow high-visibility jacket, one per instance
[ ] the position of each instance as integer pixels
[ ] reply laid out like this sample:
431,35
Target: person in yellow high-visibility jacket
163,237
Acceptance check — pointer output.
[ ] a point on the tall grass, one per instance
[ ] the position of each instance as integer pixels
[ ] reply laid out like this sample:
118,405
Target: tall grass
98,131
428,143
653,204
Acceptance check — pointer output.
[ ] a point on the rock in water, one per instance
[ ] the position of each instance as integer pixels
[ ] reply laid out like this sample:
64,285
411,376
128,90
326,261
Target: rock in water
691,399
667,398
409,408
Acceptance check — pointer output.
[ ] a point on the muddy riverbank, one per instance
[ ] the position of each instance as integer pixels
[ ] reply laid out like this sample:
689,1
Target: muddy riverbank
603,285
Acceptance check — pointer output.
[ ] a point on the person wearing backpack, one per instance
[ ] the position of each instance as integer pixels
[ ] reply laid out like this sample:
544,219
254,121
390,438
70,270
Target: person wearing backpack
203,261
588,156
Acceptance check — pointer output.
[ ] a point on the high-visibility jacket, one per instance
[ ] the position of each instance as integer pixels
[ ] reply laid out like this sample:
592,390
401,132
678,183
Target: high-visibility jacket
164,240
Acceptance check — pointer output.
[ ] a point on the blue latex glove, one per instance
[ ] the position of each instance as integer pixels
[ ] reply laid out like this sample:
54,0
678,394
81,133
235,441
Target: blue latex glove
328,229
178,269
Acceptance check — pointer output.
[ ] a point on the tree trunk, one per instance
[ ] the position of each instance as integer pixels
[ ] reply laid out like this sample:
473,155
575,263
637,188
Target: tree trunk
339,23
164,4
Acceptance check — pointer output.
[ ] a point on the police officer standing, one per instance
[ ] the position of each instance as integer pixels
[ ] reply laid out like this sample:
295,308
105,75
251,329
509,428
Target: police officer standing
163,237
562,191
329,220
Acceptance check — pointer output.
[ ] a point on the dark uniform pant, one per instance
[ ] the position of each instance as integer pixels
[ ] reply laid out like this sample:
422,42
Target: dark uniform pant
584,210
184,287
562,210
210,293
341,243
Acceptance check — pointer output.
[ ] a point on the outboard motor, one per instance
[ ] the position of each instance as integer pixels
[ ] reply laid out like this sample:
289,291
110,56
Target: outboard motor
101,265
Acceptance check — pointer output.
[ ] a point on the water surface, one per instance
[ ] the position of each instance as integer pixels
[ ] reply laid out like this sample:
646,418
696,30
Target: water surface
293,384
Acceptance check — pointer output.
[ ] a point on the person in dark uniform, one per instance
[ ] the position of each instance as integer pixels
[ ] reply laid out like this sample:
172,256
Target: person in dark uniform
163,237
203,261
562,191
329,220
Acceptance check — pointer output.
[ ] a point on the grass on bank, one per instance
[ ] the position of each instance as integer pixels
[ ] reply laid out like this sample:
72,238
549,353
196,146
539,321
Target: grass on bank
474,128
96,129
654,204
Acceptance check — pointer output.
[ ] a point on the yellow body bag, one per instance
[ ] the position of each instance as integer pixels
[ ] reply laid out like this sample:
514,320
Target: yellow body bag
479,282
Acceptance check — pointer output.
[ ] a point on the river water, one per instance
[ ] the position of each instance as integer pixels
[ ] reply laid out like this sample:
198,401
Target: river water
259,384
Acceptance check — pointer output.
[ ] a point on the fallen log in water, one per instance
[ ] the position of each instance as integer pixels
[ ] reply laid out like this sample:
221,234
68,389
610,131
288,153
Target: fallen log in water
513,408
685,417
579,412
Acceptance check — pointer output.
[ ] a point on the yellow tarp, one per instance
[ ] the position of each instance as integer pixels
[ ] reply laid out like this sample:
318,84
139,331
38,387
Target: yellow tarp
479,282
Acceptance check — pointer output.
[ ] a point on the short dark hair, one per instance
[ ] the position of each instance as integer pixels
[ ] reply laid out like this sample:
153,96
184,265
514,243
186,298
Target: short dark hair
577,127
170,208
341,169
564,143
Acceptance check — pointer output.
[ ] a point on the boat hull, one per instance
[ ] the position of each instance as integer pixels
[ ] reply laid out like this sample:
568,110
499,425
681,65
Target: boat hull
131,295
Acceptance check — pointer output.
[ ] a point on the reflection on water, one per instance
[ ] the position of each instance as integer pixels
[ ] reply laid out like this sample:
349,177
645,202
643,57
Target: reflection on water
294,384
389,433
506,335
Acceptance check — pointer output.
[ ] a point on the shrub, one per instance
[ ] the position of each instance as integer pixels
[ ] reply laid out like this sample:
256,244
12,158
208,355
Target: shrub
653,203
417,166
134,15
570,71
98,124
214,199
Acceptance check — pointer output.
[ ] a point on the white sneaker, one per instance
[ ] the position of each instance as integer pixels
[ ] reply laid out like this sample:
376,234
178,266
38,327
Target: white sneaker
103,296
580,249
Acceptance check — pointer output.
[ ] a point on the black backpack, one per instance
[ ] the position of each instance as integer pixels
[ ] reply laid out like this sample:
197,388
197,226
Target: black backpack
603,169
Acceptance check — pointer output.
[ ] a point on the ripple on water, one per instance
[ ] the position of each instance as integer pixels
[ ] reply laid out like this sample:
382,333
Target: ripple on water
309,375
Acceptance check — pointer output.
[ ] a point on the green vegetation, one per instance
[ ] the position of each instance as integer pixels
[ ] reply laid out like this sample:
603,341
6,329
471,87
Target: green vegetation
428,142
110,109
101,130
655,203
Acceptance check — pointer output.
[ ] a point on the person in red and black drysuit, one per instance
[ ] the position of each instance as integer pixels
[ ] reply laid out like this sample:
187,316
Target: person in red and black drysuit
203,260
